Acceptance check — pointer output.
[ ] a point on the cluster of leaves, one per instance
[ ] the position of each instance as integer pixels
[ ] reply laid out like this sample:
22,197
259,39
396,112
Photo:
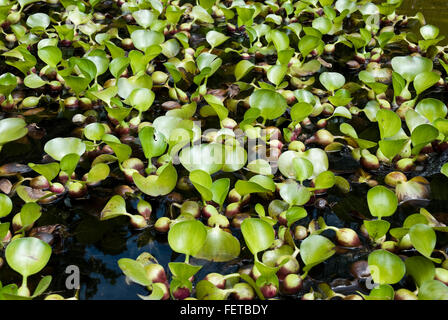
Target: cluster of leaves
142,85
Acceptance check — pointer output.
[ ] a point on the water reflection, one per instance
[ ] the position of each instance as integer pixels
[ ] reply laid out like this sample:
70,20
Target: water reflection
434,12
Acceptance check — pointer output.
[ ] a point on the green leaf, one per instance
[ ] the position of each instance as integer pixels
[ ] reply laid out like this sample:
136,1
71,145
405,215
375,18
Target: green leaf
134,270
301,110
144,17
382,202
33,81
315,249
390,148
203,183
444,169
303,168
206,157
29,214
258,234
242,68
51,55
122,151
69,162
381,292
162,183
294,194
94,131
183,271
23,3
98,172
152,142
425,80
423,238
376,228
219,246
220,189
410,66
187,237
270,103
12,129
8,82
332,80
143,39
422,135
116,206
385,267
199,13
217,106
324,180
276,73
57,148
429,32
118,65
388,122
27,255
307,44
43,285
5,205
432,109
433,290
294,214
323,24
420,269
141,99
257,183
215,38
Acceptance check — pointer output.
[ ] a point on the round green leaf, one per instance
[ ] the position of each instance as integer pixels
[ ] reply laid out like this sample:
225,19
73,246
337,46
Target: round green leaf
301,110
152,142
215,38
219,246
388,122
242,68
332,80
423,238
141,99
38,20
271,104
27,256
382,202
433,290
206,157
323,24
5,205
58,148
258,234
134,270
143,39
425,80
12,129
316,249
429,32
410,66
94,131
385,267
432,109
187,237
295,194
51,55
420,269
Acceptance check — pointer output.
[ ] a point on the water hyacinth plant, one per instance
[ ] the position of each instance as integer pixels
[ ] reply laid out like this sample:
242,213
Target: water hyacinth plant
247,150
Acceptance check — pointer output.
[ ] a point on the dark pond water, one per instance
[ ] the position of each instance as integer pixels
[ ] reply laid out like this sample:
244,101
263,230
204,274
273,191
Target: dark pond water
435,12
95,247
